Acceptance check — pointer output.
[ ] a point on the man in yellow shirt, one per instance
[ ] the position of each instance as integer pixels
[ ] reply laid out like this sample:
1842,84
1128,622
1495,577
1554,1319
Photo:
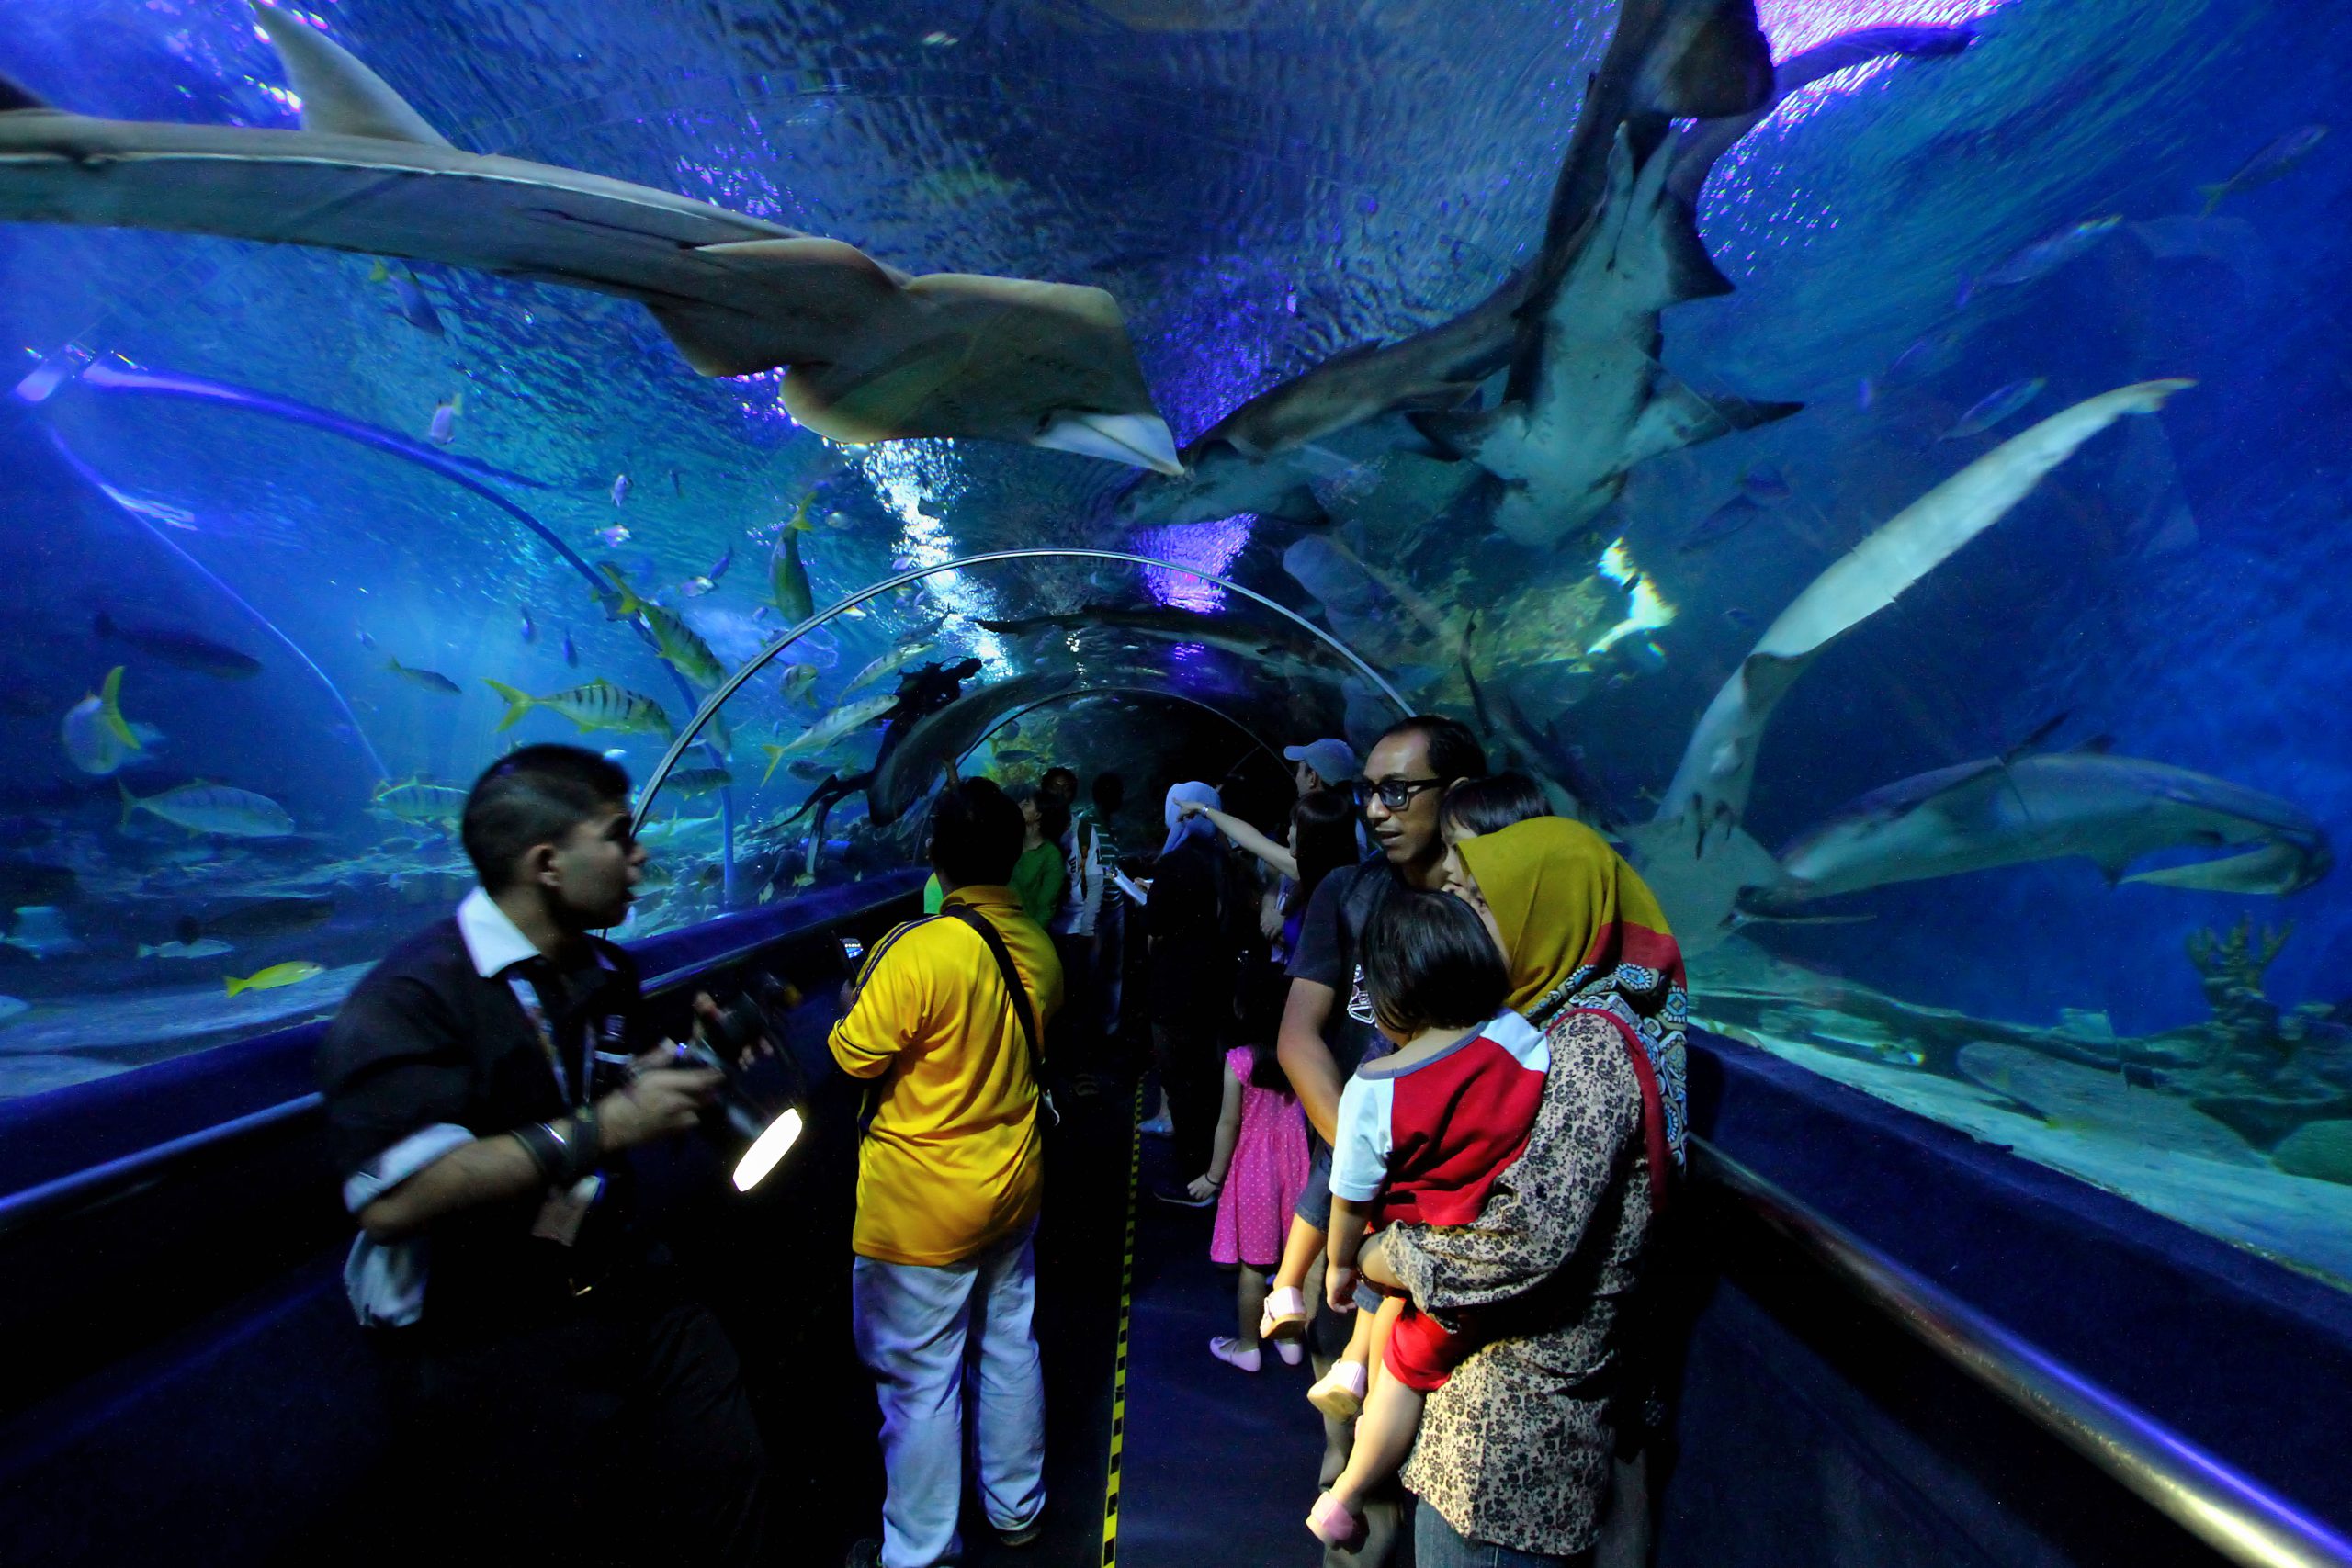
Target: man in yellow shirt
949,1180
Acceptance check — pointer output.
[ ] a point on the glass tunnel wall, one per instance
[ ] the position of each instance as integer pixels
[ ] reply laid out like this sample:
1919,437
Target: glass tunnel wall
1974,717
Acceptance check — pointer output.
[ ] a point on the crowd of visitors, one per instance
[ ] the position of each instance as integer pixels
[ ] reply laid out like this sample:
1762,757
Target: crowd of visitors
1423,1056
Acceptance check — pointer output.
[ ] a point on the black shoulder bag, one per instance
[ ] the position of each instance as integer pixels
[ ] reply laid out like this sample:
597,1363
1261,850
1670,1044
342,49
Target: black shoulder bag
1020,1009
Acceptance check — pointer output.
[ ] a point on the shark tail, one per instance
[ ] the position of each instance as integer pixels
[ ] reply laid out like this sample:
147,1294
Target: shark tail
110,710
517,702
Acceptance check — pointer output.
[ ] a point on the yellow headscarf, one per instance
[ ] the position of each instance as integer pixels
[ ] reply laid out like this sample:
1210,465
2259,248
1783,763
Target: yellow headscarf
1583,930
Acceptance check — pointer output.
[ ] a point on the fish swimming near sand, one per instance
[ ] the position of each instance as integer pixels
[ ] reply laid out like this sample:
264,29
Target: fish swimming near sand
186,650
2281,157
213,809
599,704
1996,408
275,977
875,355
96,737
2114,811
430,679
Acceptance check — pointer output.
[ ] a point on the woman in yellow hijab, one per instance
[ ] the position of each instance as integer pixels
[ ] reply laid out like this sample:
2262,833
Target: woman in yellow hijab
1582,930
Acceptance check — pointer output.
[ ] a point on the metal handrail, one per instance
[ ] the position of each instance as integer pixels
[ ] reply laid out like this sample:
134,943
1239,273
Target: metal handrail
2229,1512
95,1184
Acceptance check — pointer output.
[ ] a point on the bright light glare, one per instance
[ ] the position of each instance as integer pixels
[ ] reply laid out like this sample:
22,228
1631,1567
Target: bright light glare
767,1149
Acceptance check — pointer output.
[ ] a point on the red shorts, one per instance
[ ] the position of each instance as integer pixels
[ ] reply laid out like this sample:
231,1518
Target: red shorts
1423,1353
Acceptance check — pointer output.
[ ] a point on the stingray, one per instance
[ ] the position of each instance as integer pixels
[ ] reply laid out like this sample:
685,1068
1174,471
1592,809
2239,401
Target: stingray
874,353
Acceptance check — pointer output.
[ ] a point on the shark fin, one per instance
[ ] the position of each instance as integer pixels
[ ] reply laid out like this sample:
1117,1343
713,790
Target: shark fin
2041,732
15,96
1676,417
1719,64
1140,440
340,95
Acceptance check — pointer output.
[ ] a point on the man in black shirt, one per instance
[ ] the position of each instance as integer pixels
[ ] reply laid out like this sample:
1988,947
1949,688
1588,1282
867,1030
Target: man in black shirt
1328,1026
558,1400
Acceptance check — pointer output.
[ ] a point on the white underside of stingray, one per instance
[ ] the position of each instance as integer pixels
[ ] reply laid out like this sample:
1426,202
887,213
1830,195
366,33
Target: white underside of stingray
1695,844
875,355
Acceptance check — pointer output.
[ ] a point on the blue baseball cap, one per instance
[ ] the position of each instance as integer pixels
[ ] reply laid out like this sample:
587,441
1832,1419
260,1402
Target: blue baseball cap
1334,761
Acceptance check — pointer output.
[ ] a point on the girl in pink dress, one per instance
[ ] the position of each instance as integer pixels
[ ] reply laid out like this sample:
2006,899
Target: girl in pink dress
1256,1171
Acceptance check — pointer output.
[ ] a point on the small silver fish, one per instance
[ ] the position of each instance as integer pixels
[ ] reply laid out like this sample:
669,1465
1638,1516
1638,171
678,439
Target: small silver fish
571,654
2046,255
620,489
2279,158
615,535
1996,408
203,947
443,429
530,632
1764,484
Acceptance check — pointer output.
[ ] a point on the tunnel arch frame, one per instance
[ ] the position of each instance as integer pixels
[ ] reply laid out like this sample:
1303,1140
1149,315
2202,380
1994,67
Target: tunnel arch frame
753,665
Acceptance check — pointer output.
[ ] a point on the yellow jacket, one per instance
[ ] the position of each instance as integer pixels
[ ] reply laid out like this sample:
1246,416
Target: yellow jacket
952,1161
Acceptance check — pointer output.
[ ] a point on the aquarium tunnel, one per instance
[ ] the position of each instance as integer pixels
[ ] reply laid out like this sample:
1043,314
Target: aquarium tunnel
1875,465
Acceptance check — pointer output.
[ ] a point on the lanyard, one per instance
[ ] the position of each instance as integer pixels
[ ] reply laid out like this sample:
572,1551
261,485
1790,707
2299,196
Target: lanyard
591,1038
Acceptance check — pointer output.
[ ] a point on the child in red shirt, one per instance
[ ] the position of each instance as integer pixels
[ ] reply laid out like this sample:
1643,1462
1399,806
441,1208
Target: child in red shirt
1423,1135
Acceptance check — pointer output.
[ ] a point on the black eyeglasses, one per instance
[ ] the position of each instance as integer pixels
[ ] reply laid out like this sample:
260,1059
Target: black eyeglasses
1393,794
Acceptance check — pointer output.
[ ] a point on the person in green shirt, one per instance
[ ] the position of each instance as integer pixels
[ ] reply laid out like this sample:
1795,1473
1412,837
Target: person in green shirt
1041,874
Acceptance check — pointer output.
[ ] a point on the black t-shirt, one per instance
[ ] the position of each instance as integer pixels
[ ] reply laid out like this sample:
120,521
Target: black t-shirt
424,1041
1196,955
1330,938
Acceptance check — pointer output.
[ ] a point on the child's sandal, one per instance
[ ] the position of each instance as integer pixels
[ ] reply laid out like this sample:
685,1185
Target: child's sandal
1334,1525
1338,1392
1286,1315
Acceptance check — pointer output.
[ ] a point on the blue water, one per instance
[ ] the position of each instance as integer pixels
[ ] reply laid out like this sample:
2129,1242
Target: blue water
1260,184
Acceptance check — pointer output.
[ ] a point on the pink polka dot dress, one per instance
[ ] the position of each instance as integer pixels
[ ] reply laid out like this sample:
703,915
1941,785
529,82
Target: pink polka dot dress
1268,1171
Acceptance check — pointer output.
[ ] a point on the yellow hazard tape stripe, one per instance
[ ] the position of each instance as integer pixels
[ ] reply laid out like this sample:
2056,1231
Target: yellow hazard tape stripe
1119,1369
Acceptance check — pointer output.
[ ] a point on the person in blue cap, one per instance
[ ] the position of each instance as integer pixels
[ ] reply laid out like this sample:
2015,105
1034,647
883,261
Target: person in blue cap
1328,764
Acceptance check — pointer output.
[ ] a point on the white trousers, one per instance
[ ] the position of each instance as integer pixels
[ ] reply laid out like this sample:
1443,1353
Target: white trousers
928,1335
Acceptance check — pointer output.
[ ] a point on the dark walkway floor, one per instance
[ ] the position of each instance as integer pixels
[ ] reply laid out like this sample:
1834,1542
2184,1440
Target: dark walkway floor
1220,1465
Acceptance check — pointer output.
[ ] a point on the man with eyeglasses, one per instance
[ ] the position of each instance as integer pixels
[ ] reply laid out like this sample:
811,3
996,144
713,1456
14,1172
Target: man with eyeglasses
1328,1026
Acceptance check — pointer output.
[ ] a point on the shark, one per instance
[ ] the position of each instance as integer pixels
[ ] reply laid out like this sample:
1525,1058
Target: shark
1267,456
1695,852
1999,811
872,353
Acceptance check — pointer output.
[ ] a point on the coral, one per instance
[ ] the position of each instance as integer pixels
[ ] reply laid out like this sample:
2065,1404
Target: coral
2264,1073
